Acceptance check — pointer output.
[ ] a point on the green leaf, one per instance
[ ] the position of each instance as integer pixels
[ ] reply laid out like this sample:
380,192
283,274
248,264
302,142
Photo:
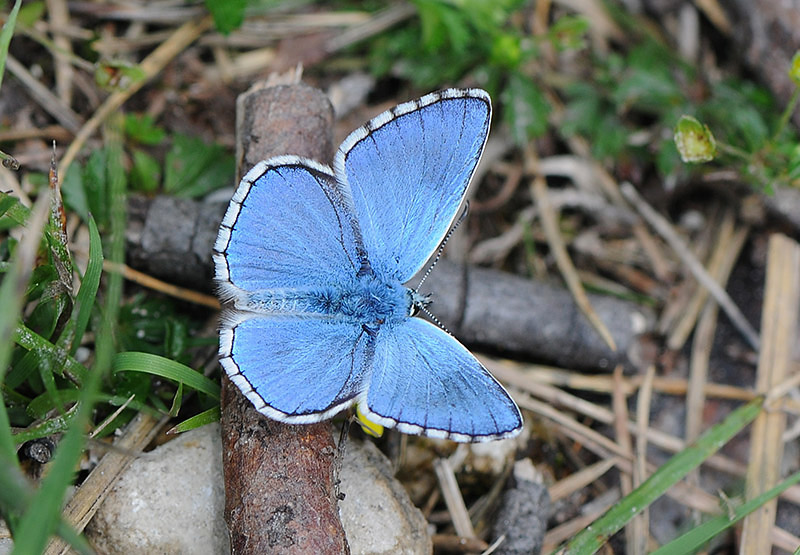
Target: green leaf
145,173
506,51
194,168
74,192
55,425
794,69
596,534
85,299
32,341
95,185
206,417
5,36
142,129
738,112
526,108
166,368
228,14
31,13
568,32
12,210
647,80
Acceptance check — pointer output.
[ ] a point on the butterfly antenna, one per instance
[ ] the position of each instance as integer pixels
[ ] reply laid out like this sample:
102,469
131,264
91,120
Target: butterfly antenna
434,319
440,250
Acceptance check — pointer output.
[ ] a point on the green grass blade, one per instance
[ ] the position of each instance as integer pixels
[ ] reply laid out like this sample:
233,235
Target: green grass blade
32,341
76,541
89,285
12,209
165,368
5,37
596,534
197,421
55,425
12,295
43,517
698,536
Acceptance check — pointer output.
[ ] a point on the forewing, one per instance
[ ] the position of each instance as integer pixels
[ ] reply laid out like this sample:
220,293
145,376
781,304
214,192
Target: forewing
288,226
424,381
296,370
408,170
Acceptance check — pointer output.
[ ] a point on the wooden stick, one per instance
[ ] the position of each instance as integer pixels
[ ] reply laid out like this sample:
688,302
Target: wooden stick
279,492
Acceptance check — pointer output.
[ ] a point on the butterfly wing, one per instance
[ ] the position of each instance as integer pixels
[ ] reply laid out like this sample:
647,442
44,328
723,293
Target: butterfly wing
295,370
289,229
408,170
289,225
423,381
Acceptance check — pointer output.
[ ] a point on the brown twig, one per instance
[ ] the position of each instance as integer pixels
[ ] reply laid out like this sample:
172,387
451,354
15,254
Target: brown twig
279,492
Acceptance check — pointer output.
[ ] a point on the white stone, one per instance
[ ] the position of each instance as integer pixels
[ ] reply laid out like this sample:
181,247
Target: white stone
377,514
171,500
168,501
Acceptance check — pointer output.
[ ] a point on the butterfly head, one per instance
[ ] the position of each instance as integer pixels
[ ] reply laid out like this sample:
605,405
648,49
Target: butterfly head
419,302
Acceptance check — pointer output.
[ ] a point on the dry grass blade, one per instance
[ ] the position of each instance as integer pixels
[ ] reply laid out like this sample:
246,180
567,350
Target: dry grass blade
527,374
555,397
453,499
47,100
582,478
779,333
633,532
379,22
641,522
150,282
663,227
59,19
563,261
716,14
729,245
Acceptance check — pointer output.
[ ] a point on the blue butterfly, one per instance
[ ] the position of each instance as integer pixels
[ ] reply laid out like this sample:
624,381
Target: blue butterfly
315,260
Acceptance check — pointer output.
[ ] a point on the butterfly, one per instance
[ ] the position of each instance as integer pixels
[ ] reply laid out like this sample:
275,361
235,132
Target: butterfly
314,261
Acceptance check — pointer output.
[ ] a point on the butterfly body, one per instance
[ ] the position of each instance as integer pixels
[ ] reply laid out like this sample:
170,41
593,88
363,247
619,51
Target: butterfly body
365,300
314,261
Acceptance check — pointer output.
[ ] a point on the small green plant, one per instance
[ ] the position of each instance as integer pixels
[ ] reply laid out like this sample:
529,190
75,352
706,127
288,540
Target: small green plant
640,89
76,354
765,158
